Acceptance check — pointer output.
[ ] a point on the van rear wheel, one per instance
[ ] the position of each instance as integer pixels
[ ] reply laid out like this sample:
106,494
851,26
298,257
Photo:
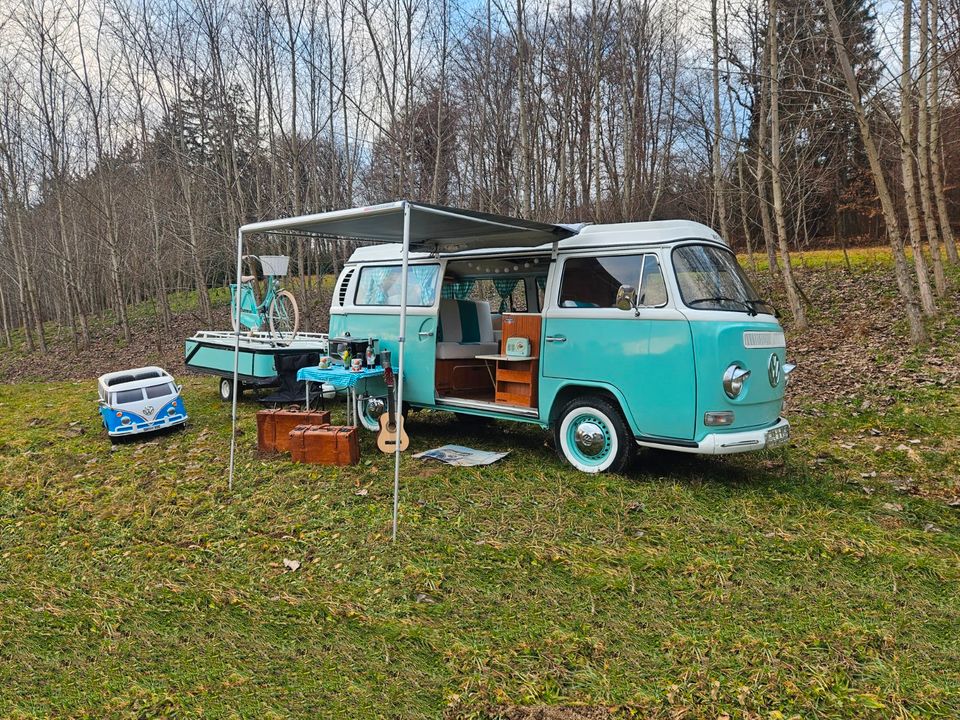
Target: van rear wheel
592,435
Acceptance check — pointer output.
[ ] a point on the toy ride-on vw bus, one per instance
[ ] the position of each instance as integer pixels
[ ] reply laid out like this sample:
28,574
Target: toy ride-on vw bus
626,335
139,401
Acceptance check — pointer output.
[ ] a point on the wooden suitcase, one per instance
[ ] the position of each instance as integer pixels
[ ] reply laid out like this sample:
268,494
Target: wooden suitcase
325,445
274,426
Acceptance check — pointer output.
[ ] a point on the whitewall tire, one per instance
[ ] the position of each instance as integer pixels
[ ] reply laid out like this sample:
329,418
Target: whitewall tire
592,435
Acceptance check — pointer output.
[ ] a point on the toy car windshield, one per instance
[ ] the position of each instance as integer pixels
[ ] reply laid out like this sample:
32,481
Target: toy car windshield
124,397
158,391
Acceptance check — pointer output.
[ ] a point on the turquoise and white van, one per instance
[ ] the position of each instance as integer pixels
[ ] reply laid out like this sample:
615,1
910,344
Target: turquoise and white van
625,335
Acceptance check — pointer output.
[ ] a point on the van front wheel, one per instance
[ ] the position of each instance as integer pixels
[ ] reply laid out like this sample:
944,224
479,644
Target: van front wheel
592,435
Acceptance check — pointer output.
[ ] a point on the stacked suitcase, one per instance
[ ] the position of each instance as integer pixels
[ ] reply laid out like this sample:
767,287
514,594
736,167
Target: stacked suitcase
307,436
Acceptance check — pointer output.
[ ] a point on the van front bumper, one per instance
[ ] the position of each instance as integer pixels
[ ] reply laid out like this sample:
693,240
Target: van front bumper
775,435
149,426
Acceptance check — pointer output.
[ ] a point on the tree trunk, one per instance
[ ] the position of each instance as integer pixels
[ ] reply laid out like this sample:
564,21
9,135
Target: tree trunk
936,164
717,127
918,333
793,295
742,194
772,265
923,157
906,166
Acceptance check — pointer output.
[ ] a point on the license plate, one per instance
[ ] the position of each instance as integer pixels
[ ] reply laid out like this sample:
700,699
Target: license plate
778,436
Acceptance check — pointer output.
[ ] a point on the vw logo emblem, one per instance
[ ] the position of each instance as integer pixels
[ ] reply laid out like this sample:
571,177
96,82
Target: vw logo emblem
773,370
148,410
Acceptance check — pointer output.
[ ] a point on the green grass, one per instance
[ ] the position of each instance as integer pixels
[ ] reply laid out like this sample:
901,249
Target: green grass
861,258
133,584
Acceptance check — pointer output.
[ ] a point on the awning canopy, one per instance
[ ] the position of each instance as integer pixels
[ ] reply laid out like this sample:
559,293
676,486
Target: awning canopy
432,228
417,227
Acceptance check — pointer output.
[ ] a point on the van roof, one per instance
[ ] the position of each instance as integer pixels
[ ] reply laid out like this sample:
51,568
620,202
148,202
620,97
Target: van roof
611,235
137,377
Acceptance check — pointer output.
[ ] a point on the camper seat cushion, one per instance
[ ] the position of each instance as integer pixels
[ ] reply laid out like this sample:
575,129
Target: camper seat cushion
465,329
464,351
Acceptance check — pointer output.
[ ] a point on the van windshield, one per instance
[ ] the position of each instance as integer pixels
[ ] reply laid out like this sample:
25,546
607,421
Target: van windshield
710,278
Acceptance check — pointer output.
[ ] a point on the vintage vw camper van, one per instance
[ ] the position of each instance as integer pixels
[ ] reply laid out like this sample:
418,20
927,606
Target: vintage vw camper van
623,335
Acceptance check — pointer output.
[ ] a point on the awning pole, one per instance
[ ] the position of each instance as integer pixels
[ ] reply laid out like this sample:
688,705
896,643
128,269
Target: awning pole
401,340
236,359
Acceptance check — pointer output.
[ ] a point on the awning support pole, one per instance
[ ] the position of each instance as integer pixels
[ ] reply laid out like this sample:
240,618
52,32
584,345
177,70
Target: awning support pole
401,341
236,359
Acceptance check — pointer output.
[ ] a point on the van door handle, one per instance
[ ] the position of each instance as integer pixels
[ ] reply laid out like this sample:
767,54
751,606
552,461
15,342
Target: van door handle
426,333
556,338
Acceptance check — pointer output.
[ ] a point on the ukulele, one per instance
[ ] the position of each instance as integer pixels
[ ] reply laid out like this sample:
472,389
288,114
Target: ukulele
391,432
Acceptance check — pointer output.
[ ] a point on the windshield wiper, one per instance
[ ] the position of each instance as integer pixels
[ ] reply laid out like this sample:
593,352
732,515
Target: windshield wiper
746,304
761,301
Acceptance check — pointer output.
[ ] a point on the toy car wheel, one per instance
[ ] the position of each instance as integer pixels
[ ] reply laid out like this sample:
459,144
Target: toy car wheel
592,435
226,389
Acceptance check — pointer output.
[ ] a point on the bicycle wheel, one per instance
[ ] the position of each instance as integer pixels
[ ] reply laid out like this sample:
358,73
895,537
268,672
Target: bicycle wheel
284,317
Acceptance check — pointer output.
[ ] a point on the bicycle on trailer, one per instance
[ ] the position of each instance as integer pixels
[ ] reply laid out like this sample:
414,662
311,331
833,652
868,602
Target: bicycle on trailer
278,311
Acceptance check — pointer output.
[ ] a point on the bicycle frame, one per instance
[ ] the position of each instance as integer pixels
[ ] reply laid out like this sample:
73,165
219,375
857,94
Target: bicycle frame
253,316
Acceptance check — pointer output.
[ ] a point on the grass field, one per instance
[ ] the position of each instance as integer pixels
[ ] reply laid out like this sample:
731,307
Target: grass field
822,580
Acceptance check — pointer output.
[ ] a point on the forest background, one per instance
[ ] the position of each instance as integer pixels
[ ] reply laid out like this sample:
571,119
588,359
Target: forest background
137,135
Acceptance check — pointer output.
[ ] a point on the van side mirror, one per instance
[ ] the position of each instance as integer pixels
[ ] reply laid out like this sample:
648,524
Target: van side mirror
179,389
627,297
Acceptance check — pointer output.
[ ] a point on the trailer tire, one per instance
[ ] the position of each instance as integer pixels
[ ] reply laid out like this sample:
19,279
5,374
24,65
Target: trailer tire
226,389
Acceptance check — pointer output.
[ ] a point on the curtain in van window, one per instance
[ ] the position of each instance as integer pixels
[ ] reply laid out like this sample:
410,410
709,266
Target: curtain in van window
505,288
372,291
457,290
425,279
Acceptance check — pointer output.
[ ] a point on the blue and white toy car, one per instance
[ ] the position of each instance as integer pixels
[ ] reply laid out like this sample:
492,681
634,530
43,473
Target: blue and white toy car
139,400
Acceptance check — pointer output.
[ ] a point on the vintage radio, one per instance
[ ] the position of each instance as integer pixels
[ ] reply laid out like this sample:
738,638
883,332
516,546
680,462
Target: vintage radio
518,347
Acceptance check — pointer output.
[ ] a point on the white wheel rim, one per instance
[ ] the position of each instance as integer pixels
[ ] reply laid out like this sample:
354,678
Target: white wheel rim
585,414
225,389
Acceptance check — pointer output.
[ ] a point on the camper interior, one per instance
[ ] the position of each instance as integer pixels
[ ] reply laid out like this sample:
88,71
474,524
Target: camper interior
484,303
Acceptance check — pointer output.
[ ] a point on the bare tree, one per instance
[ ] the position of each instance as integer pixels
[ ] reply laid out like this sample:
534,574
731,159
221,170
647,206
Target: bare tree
790,285
907,161
918,333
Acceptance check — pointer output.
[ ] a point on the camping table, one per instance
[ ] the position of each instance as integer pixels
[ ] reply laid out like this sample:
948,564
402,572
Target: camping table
340,379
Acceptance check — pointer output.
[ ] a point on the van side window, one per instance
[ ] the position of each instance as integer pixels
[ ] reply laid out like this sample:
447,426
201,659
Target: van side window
593,282
653,290
380,285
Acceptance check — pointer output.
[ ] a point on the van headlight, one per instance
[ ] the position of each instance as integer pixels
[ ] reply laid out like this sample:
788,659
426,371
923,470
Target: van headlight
126,420
733,380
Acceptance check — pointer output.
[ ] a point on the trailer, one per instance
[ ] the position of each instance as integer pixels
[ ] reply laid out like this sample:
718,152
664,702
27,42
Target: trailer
265,360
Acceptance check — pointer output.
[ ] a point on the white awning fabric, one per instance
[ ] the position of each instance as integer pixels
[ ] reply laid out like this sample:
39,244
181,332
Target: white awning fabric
416,226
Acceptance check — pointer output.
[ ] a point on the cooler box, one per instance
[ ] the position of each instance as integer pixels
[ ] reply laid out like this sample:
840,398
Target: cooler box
274,426
325,445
